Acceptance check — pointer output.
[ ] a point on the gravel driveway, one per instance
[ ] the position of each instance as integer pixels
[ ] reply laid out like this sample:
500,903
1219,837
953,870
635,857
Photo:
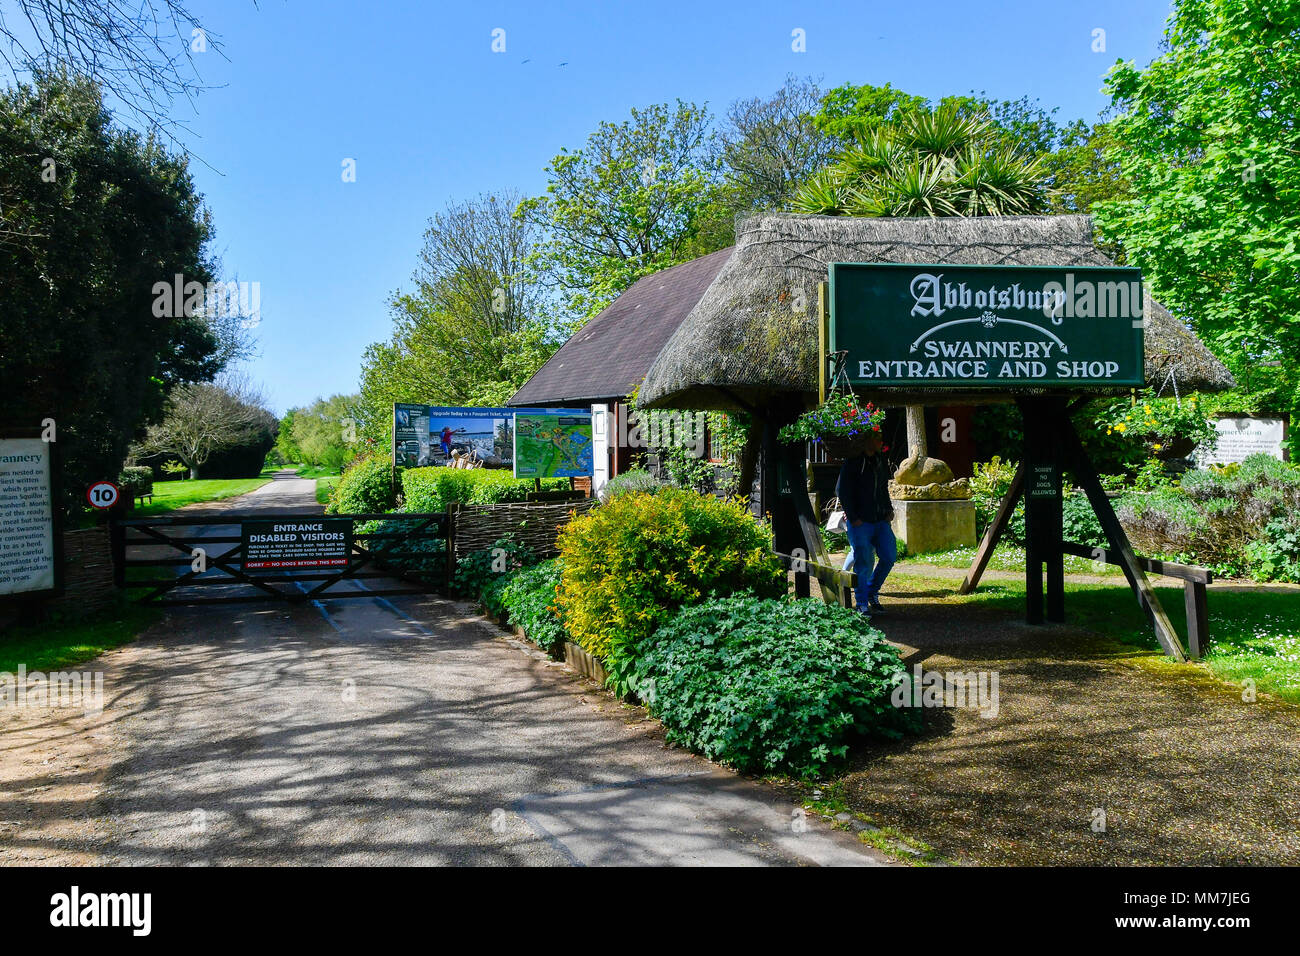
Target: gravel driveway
403,731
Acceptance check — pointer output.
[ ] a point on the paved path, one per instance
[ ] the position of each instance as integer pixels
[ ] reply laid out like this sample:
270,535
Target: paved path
409,731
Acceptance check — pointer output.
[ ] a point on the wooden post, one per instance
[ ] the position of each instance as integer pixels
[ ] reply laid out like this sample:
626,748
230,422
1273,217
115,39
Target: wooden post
1086,476
823,337
993,533
1043,420
1198,625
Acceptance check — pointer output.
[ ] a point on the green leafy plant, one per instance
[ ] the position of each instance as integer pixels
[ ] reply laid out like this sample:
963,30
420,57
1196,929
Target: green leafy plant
530,599
631,562
770,685
366,487
174,468
840,416
479,569
1160,422
989,485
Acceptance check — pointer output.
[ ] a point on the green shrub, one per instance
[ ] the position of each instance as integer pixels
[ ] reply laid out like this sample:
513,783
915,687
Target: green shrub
479,569
634,560
638,479
770,685
135,480
1079,521
434,489
529,598
1275,555
366,487
989,485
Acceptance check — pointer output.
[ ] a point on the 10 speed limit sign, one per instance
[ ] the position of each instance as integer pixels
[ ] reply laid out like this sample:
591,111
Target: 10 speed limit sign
103,494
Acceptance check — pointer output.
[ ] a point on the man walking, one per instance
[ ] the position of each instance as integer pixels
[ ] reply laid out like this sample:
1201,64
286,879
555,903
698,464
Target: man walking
863,490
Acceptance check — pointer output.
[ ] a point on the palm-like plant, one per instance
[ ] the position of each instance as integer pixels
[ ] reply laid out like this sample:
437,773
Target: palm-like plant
926,163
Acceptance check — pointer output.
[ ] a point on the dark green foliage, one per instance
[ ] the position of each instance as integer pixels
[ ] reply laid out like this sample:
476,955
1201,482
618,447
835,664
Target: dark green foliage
529,598
479,569
82,243
365,488
770,685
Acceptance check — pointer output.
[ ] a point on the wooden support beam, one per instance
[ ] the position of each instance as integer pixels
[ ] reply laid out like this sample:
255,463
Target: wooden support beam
994,531
823,338
1086,477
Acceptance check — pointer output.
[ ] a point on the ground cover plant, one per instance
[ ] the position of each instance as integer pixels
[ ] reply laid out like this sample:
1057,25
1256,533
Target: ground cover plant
529,598
768,685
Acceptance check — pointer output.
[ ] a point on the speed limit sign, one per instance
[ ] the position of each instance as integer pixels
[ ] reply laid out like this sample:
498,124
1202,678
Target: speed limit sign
103,494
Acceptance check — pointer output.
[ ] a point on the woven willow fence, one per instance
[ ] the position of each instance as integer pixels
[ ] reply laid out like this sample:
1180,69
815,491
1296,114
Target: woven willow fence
533,523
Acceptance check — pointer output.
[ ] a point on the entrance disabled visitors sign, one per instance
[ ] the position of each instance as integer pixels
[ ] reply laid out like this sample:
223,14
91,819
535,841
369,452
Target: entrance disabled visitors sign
289,544
987,326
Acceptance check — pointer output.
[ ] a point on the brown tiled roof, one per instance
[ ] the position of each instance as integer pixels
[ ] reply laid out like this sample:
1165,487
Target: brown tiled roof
610,355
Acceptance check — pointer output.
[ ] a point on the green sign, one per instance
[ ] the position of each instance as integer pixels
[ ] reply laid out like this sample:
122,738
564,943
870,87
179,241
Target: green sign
987,326
553,443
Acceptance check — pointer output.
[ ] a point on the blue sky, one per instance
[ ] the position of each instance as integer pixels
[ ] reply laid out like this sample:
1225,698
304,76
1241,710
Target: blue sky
413,93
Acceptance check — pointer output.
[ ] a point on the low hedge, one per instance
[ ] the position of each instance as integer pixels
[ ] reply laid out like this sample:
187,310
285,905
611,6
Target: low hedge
529,598
434,489
770,685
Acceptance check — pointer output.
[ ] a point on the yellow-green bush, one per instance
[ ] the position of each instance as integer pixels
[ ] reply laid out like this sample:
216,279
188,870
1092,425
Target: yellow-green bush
634,560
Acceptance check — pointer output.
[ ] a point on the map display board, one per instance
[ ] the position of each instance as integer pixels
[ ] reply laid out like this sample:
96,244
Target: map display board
26,517
553,443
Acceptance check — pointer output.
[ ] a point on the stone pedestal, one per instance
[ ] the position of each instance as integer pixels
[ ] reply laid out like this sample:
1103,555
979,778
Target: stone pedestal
928,526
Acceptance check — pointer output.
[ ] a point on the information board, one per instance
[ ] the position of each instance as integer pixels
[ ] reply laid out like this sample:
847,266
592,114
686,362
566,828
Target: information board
1239,437
553,443
27,562
982,327
288,544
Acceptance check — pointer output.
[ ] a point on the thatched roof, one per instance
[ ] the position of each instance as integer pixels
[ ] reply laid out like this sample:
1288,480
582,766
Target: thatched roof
744,343
609,356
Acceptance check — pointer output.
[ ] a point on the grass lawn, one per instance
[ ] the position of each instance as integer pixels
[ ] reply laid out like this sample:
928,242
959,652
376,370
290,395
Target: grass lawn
1010,557
56,646
170,495
324,486
316,471
1254,630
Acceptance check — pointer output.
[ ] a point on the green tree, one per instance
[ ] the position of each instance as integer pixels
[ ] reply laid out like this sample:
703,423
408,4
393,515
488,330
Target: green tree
91,217
1206,135
478,324
325,432
640,196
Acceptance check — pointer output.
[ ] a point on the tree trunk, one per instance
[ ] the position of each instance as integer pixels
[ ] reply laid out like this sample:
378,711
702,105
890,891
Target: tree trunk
916,444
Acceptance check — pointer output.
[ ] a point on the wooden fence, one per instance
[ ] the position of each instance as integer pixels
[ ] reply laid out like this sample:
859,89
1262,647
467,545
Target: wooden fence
531,523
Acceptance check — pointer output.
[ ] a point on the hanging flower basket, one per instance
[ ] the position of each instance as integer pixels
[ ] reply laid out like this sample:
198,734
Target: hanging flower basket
842,425
847,447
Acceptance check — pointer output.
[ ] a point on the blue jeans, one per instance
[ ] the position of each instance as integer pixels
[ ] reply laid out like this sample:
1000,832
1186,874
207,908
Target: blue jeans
873,544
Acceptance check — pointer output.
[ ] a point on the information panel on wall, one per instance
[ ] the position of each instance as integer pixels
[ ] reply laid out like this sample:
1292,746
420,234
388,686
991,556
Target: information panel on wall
26,517
924,326
553,443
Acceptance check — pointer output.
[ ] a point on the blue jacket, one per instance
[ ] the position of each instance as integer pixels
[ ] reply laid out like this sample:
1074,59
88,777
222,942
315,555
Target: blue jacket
863,489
